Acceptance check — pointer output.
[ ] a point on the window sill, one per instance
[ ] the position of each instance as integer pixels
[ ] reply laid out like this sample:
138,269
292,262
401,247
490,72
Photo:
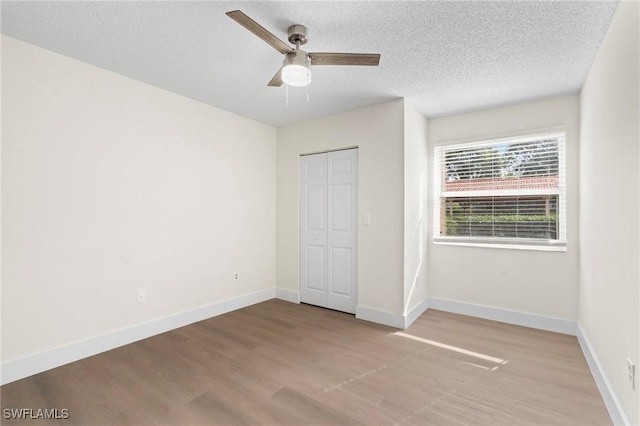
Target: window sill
508,245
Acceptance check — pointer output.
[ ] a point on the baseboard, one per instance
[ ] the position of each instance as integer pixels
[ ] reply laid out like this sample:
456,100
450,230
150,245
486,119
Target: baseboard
540,322
380,317
52,358
415,312
606,391
288,295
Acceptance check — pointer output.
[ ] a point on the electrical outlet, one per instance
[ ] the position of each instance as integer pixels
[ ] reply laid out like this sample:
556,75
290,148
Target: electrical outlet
236,276
142,295
631,373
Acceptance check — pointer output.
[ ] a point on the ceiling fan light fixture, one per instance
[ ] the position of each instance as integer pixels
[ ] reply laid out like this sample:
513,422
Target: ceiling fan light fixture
296,75
295,70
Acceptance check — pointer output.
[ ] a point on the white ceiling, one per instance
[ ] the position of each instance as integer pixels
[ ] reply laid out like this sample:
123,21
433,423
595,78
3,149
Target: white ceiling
446,57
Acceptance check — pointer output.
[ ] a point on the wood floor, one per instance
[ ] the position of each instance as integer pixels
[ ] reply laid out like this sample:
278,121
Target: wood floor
281,363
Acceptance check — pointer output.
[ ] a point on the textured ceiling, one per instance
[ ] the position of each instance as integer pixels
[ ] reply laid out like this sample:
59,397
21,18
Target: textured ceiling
445,57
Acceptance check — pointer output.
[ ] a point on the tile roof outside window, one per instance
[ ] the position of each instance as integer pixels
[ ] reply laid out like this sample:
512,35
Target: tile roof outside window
531,182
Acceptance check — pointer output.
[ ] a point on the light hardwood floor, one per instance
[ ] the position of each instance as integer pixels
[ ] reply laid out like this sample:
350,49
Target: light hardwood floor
281,363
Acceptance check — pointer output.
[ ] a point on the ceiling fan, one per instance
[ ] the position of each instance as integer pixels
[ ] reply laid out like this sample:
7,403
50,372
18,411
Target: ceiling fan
295,70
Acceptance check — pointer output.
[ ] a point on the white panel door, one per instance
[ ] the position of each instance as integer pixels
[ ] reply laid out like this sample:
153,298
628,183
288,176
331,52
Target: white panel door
328,229
313,229
342,237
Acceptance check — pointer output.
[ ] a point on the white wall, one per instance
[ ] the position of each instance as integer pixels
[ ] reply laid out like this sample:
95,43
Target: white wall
416,181
110,185
532,282
377,131
610,206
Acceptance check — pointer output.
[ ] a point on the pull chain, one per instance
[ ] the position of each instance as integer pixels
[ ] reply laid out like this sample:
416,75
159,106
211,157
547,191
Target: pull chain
286,99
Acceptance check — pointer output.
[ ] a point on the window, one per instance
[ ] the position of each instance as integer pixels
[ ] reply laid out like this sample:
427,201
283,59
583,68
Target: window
505,192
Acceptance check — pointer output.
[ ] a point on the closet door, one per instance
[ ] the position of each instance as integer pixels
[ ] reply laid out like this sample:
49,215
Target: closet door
313,229
342,236
328,229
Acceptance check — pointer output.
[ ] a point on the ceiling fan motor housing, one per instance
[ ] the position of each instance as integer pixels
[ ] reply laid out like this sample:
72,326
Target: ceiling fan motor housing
298,57
297,33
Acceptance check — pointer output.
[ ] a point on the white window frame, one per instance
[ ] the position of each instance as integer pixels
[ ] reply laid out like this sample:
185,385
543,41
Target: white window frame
559,244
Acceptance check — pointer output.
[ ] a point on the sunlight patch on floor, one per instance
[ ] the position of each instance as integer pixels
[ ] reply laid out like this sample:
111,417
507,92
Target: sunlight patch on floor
452,348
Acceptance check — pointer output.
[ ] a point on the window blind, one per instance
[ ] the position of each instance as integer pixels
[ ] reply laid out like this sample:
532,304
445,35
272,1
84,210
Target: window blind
510,190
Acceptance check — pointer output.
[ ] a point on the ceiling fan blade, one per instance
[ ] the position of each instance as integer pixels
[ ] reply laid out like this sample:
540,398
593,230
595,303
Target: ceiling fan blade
260,31
323,58
276,81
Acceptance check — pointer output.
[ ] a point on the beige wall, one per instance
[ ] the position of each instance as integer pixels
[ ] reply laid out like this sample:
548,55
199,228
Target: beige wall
110,185
610,206
416,180
377,131
534,282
